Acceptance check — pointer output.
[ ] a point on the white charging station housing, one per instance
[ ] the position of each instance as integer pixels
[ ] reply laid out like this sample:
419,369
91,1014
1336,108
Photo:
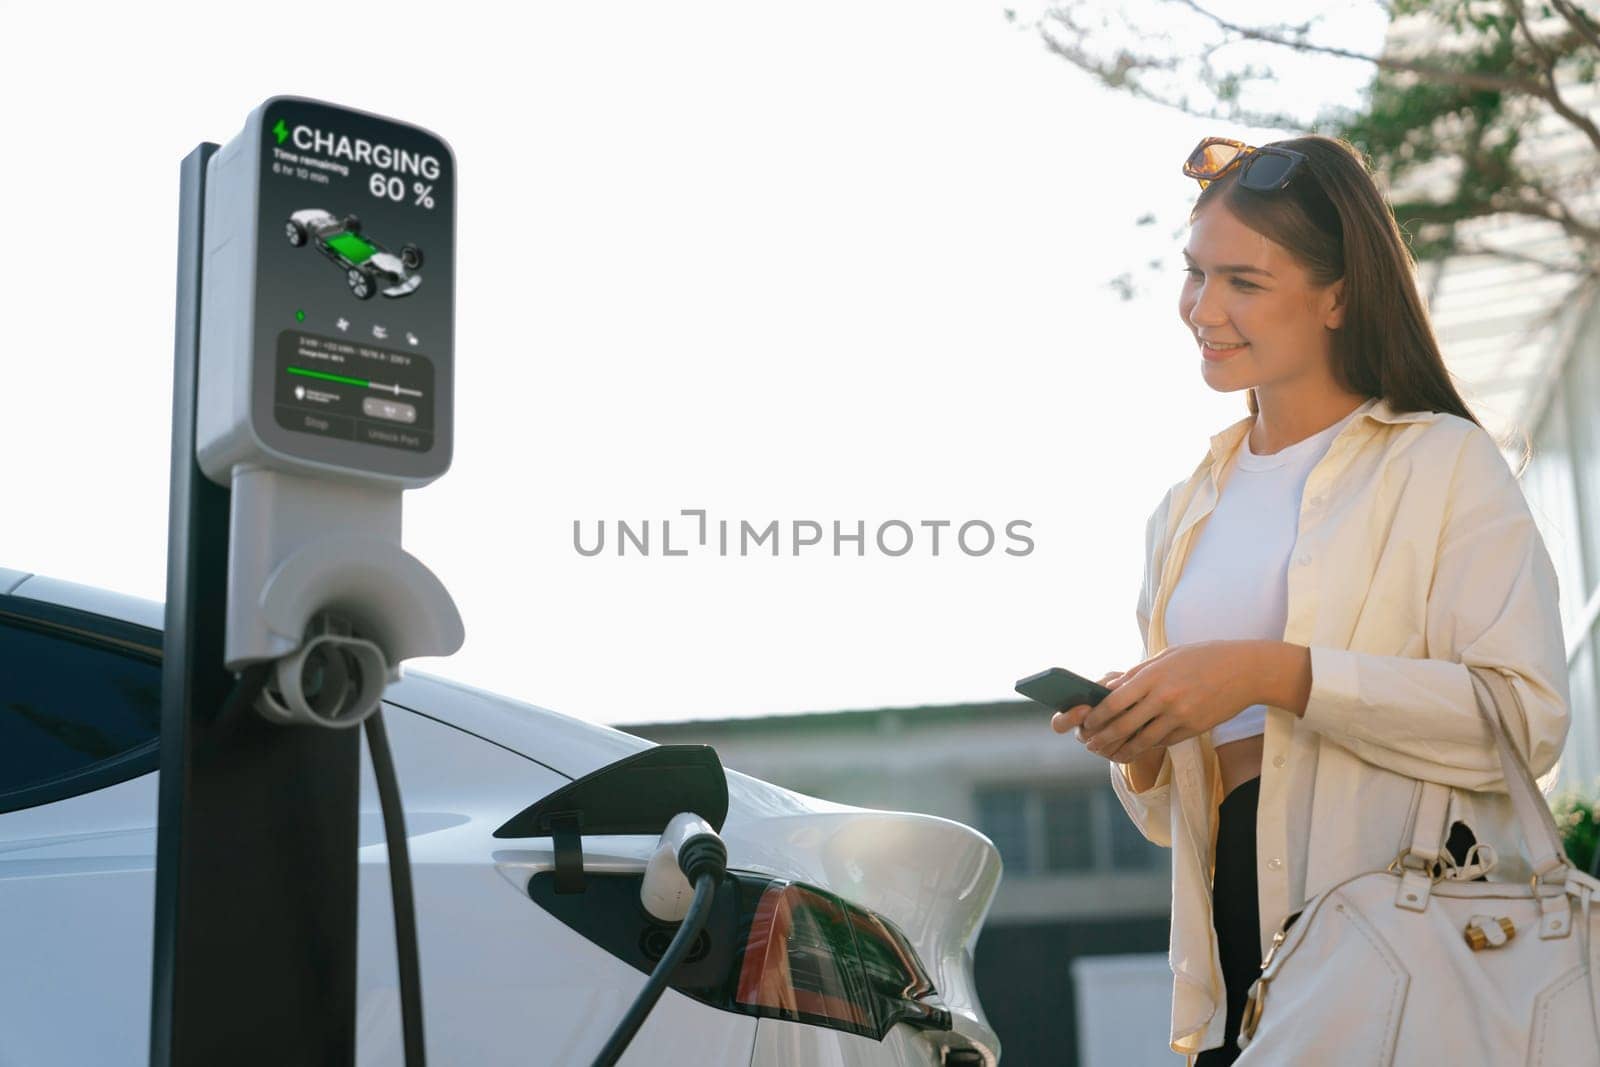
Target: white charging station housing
325,382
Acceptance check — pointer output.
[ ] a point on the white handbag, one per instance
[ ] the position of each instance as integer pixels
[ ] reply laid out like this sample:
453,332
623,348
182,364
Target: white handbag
1418,965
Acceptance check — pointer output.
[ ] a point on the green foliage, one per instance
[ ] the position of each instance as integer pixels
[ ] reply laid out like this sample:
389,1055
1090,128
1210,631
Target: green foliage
1471,103
1578,817
1413,119
1458,15
1453,96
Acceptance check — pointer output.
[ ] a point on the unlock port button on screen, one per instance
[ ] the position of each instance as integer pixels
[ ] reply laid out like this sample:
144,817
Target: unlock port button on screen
393,410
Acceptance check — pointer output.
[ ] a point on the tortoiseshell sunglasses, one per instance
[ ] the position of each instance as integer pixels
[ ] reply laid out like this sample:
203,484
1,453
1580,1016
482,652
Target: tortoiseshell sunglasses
1261,169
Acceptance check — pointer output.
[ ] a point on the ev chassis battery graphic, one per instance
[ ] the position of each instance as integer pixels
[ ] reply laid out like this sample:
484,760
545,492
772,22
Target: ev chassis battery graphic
368,266
332,380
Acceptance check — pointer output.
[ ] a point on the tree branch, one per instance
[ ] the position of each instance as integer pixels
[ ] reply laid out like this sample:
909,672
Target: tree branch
1522,203
1464,78
1121,75
1547,66
1458,247
1579,21
1434,111
1562,216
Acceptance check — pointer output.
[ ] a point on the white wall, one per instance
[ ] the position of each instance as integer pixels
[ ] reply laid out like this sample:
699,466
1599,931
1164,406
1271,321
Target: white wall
1124,1008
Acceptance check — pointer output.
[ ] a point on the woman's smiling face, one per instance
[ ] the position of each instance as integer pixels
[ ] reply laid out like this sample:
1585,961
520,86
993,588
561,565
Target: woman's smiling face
1249,296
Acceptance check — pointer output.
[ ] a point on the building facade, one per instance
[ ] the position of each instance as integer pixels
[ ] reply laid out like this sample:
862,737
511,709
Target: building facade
1520,332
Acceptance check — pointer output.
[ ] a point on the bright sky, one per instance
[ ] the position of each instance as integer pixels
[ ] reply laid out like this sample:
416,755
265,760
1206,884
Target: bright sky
837,262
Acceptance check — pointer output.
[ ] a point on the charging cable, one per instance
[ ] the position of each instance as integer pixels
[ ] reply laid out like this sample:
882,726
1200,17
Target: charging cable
404,903
252,683
701,860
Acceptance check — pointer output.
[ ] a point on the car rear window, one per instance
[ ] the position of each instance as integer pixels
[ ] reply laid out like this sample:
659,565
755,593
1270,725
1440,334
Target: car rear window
67,703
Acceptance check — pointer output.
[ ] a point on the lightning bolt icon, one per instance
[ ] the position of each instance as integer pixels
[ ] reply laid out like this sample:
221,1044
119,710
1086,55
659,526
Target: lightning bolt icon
281,132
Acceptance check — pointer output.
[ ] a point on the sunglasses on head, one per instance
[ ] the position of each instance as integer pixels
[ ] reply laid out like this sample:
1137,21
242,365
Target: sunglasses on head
1261,169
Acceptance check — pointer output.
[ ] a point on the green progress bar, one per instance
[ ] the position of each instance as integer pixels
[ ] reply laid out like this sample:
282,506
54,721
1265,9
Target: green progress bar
329,377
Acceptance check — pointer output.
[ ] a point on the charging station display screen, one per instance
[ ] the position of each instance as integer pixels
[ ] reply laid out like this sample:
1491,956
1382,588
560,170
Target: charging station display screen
354,290
355,391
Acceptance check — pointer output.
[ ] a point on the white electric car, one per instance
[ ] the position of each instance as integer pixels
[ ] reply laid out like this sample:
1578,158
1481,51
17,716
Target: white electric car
846,940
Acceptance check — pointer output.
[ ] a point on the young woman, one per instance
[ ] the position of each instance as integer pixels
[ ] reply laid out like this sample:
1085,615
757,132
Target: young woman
1318,591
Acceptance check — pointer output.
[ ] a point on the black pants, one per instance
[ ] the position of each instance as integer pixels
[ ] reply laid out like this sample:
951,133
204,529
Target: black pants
1235,909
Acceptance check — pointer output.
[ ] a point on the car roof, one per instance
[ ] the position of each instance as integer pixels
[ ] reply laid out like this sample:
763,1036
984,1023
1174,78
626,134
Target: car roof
569,746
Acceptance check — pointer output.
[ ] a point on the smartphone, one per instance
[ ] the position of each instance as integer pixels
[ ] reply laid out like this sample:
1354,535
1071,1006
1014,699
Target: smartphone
1060,689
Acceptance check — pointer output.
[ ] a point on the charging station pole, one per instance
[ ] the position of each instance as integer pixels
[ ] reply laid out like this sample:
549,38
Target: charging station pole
297,424
255,924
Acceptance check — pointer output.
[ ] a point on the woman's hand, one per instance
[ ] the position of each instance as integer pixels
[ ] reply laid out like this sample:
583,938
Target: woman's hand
1062,721
1174,695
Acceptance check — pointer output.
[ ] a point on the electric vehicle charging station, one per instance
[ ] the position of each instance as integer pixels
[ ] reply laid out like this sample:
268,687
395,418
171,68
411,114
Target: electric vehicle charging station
302,410
303,407
315,413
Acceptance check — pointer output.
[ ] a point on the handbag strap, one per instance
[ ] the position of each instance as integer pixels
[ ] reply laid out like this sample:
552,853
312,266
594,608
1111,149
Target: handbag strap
1428,829
1539,834
1427,832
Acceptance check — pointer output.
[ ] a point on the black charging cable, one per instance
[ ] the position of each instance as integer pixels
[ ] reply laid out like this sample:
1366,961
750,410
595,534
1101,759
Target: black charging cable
246,688
405,914
704,861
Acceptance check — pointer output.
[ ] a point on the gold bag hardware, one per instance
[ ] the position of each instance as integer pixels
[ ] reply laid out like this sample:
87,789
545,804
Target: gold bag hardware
1488,931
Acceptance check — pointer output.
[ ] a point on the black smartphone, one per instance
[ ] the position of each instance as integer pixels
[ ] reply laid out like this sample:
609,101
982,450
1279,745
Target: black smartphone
1060,689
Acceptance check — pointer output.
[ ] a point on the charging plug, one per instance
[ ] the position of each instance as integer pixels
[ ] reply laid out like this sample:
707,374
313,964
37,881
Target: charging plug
689,848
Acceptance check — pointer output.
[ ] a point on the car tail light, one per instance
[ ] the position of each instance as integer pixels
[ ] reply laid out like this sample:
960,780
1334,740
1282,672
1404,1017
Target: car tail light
774,949
810,957
798,961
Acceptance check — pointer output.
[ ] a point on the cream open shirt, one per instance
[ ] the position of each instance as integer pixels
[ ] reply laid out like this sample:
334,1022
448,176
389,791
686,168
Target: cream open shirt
1416,560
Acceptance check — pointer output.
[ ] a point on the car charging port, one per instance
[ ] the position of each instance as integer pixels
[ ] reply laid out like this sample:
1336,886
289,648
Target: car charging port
690,853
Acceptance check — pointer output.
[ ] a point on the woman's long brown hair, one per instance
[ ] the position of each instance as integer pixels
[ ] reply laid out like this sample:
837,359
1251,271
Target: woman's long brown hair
1337,224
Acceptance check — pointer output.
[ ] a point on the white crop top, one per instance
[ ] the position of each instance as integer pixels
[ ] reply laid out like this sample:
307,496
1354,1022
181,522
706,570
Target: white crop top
1235,584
